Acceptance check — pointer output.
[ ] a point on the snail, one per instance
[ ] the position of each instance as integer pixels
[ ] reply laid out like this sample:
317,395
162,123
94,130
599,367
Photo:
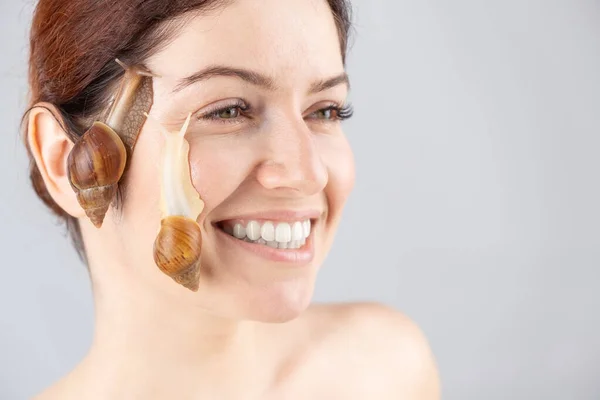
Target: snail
179,242
96,165
99,158
177,250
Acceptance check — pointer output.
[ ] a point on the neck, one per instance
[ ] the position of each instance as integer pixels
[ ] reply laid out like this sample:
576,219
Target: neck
133,321
152,340
141,337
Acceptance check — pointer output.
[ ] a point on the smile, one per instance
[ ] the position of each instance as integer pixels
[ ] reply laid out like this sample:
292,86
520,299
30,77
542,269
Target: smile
275,234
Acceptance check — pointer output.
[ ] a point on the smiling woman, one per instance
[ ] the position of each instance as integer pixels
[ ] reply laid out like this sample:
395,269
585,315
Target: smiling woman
202,141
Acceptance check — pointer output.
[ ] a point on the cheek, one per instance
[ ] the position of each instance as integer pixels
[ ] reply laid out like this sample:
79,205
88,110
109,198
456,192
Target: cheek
339,159
139,221
218,168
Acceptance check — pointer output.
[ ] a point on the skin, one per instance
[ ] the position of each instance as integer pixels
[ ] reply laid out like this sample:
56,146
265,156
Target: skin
249,332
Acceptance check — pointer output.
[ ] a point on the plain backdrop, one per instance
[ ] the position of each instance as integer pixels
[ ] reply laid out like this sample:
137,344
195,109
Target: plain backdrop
476,134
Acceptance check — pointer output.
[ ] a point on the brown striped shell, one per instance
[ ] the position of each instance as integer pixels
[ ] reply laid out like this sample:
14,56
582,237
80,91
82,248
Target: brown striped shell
95,166
177,250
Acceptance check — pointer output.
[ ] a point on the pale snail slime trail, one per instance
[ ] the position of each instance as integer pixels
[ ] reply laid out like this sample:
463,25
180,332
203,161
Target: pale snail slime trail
179,243
99,158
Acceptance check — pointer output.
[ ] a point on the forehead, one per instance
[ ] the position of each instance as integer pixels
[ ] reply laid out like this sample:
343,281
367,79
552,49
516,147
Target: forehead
286,39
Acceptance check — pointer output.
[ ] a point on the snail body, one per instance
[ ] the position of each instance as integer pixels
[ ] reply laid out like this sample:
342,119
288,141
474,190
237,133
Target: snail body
96,164
99,158
133,99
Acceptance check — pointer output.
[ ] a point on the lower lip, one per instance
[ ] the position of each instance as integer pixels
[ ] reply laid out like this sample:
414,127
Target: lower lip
300,256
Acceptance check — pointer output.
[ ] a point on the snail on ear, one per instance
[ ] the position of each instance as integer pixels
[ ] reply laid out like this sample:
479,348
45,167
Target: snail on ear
96,164
99,158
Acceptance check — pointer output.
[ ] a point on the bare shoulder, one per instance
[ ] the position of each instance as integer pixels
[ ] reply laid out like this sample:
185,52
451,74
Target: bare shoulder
58,391
379,348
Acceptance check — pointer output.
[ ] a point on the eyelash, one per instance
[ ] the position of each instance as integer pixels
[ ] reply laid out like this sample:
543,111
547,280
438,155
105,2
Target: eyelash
342,113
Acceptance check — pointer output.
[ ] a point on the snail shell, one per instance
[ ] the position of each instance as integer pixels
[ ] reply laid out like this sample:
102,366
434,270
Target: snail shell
96,164
177,250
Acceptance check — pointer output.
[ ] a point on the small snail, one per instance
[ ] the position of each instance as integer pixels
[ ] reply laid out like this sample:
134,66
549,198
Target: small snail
179,242
97,161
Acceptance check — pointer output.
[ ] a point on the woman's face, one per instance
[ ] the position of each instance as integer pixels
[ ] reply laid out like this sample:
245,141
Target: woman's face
262,80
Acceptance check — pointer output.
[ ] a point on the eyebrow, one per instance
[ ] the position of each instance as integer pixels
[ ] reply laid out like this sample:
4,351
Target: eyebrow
325,84
255,78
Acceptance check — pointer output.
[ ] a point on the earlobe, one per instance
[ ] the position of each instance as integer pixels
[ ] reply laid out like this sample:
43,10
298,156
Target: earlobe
50,148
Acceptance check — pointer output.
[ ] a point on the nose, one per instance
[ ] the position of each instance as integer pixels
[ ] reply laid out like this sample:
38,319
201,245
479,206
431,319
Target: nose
292,163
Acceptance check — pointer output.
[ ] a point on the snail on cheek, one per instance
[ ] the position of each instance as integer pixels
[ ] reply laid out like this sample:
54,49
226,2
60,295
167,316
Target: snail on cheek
179,242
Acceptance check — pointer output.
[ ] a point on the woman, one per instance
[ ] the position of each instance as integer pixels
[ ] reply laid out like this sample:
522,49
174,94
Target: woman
258,90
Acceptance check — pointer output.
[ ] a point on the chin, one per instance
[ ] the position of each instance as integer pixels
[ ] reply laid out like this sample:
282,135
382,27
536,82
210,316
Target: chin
283,302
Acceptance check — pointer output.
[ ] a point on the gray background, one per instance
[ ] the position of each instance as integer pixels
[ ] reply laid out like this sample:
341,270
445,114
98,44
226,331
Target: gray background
476,206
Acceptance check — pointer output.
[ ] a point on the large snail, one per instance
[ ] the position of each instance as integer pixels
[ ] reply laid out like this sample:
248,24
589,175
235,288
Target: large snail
96,165
98,159
179,242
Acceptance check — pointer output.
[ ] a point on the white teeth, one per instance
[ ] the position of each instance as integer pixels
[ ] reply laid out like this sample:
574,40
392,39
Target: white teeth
239,231
282,235
297,231
283,232
253,230
306,228
268,231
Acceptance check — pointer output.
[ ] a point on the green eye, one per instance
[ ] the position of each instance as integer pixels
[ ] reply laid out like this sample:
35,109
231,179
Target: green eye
333,113
325,113
228,113
233,113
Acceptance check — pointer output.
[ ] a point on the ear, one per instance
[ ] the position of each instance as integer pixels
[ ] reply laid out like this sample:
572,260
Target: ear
50,148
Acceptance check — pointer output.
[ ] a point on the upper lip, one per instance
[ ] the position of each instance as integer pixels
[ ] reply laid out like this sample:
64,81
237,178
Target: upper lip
277,215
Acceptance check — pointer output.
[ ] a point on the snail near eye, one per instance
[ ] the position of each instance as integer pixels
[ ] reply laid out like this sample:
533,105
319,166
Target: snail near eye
178,244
